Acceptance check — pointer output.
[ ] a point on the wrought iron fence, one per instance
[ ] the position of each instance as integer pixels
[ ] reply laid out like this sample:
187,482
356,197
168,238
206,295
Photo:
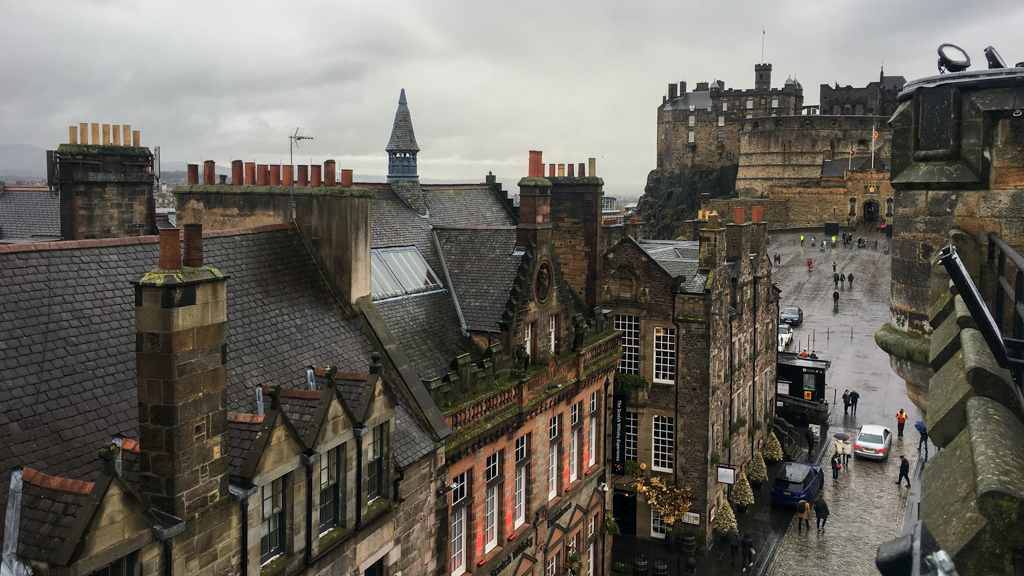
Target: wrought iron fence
635,557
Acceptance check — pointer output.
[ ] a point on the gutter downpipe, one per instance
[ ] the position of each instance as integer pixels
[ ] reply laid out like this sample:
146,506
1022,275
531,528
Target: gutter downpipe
675,468
359,432
309,460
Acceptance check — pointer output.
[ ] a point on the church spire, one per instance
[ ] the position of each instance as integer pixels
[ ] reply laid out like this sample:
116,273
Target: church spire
402,147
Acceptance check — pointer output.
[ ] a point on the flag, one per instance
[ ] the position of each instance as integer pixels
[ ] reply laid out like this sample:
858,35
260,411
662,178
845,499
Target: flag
853,152
874,133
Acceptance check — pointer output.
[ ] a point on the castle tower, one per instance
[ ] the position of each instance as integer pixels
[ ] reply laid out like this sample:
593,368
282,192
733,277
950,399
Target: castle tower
402,148
762,77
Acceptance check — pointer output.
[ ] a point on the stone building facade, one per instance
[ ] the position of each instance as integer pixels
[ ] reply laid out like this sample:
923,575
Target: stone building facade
875,99
698,320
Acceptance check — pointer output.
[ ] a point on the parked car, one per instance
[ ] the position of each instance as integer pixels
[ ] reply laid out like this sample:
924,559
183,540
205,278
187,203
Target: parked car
792,316
797,481
872,442
785,336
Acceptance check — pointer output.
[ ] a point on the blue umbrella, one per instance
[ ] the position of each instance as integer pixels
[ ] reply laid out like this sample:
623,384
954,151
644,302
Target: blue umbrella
841,436
920,427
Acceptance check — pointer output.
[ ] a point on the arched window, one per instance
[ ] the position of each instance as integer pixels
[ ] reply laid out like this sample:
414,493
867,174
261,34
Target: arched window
853,206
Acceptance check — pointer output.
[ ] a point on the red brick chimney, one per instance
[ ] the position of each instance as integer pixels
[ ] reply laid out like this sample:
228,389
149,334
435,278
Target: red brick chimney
346,177
330,176
236,173
193,174
536,167
534,204
275,174
315,176
250,173
209,172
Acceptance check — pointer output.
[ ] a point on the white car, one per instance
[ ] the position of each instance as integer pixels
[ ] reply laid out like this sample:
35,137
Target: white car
785,336
872,442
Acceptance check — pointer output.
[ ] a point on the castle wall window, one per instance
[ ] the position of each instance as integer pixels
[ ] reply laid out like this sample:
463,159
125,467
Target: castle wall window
775,102
273,522
664,355
689,137
632,422
375,464
330,489
721,120
630,327
725,106
750,104
663,429
458,542
692,121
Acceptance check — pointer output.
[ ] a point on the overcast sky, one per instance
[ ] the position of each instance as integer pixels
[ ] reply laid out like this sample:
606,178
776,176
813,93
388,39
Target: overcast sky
486,81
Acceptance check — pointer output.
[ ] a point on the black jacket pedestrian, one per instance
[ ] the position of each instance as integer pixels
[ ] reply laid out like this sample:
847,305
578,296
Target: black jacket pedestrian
905,467
835,297
854,397
821,508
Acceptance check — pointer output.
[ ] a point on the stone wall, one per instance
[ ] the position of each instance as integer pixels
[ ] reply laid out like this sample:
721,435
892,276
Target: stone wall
105,191
576,233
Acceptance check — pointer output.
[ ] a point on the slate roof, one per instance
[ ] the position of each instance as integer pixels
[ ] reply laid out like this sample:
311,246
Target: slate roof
893,82
410,191
403,139
299,406
427,328
679,258
700,101
29,211
48,512
67,347
460,206
482,267
394,224
242,432
412,442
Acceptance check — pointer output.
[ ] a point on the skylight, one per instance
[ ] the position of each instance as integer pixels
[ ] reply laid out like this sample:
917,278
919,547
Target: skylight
400,271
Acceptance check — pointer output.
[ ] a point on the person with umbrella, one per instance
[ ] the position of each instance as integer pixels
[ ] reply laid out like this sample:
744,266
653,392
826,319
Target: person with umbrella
843,448
923,430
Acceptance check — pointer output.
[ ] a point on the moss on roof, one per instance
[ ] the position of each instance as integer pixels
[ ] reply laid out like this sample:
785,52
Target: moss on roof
100,149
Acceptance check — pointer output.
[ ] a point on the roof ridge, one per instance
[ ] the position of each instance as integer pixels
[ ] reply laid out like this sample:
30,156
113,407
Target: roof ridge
301,393
128,240
130,445
70,485
244,418
352,376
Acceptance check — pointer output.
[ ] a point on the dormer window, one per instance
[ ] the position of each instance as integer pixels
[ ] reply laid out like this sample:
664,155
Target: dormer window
400,271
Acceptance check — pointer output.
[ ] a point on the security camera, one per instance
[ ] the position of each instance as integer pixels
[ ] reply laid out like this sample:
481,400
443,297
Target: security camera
604,487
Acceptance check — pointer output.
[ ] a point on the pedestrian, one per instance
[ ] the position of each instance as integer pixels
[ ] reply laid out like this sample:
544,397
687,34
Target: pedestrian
847,452
904,471
801,239
901,421
804,353
833,267
842,280
809,435
850,279
734,542
924,436
747,544
821,513
835,299
836,464
854,398
846,402
803,515
835,279
809,264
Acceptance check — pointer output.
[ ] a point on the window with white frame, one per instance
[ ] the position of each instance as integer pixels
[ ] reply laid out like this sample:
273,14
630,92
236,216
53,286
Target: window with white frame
459,487
663,429
522,447
528,339
725,106
553,426
519,504
721,120
592,443
574,441
574,414
552,322
274,520
590,560
664,355
690,137
593,401
591,522
632,424
552,471
458,542
693,120
750,104
491,519
775,102
493,466
630,327
658,527
552,569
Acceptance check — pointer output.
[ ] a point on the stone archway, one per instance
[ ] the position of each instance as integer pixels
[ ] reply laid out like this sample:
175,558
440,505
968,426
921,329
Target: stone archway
871,210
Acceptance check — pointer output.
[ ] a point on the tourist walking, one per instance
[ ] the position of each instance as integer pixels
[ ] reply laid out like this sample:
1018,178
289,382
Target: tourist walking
835,299
734,542
904,470
801,239
747,544
821,513
836,464
901,421
847,452
846,402
833,267
854,398
924,435
803,515
842,280
809,435
835,279
849,278
809,264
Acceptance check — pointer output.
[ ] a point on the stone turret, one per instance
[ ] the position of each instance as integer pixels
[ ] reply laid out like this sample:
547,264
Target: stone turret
402,150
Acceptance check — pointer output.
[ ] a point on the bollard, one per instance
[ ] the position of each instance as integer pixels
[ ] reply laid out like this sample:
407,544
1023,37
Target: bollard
828,333
851,332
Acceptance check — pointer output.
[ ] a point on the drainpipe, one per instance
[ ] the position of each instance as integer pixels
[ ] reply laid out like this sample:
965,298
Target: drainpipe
753,369
359,432
675,469
309,460
241,495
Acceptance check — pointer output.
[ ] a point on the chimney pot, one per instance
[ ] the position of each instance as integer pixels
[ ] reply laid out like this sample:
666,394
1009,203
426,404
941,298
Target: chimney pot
561,170
209,176
72,134
126,134
95,129
593,166
583,170
170,249
314,179
136,138
571,173
330,174
236,173
223,178
83,133
193,174
193,245
757,215
713,222
536,164
286,175
275,174
250,173
303,175
115,133
738,216
551,171
106,134
346,177
262,175
672,91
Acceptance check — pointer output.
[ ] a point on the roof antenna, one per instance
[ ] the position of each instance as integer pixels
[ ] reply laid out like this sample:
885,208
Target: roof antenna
293,142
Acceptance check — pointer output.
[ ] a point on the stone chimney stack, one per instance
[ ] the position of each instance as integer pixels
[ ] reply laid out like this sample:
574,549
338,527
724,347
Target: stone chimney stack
576,230
181,355
534,204
712,245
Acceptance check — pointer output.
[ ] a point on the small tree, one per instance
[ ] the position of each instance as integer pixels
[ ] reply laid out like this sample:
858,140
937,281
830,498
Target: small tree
724,519
671,502
772,448
610,527
742,495
758,471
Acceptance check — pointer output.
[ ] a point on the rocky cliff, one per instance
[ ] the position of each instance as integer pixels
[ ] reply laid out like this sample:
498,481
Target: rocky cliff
670,198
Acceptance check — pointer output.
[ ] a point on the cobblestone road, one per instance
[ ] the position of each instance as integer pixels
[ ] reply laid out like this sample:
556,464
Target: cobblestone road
867,508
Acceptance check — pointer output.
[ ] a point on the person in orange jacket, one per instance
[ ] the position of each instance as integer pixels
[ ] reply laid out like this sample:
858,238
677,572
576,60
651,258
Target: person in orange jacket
901,421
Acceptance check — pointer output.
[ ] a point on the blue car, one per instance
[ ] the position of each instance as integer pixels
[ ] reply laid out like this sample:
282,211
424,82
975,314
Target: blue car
797,481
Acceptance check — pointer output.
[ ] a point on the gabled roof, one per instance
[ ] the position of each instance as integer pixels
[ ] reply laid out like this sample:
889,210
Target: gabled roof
49,508
403,139
482,265
700,101
678,258
29,211
243,430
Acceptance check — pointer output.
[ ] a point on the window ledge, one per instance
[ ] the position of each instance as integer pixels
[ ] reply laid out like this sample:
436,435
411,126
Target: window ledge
276,566
488,556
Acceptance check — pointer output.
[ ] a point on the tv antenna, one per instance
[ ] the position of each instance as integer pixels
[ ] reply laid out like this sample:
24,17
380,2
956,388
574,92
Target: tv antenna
293,142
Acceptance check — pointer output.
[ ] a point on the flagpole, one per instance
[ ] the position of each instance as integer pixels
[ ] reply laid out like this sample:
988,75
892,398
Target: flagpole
873,147
762,45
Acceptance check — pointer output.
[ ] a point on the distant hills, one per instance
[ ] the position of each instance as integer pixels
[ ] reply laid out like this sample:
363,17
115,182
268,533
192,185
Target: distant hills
22,161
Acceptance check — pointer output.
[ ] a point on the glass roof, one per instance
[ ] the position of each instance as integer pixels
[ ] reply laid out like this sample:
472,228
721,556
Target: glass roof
400,271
